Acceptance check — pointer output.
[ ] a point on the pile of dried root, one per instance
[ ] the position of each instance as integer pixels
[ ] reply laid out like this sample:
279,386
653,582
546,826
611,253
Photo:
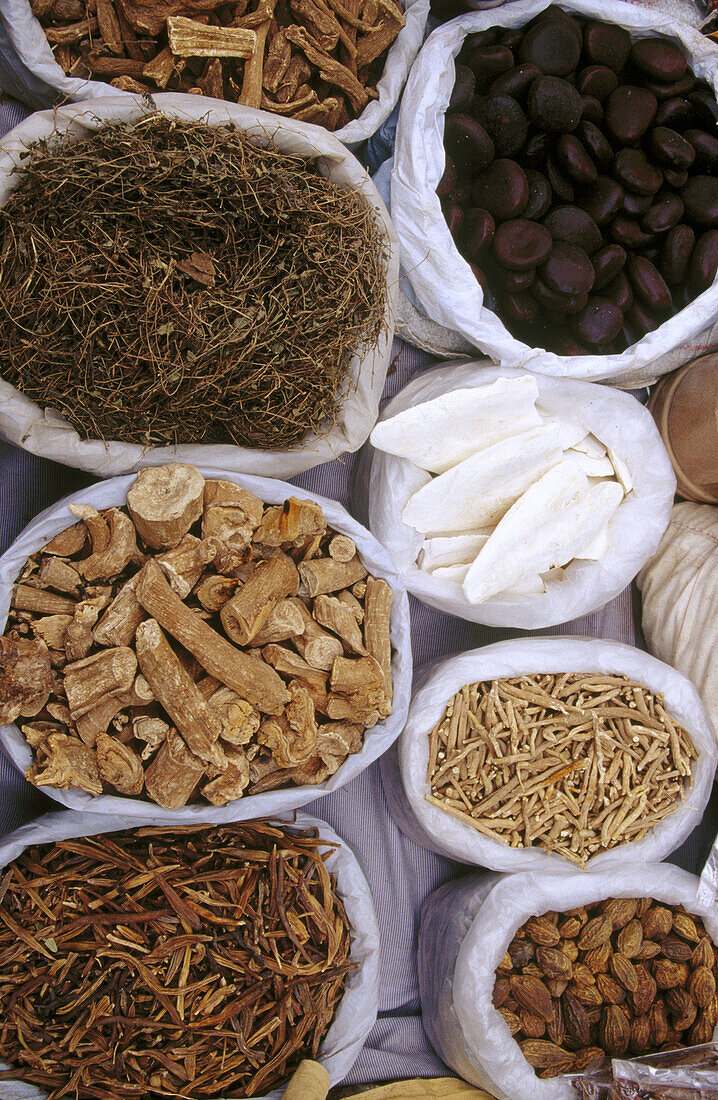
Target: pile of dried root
171,282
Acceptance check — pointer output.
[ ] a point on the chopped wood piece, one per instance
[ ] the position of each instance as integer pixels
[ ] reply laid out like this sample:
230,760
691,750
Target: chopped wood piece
128,37
298,71
251,94
285,622
59,574
250,677
67,765
96,525
127,84
292,737
66,36
329,69
381,36
323,575
358,690
248,610
115,66
231,514
188,38
78,636
41,8
176,691
322,25
109,26
25,677
160,70
231,783
36,733
170,781
164,501
211,81
214,591
119,623
339,738
89,681
321,114
337,617
342,548
51,629
119,552
183,566
291,522
240,721
377,624
68,542
353,604
45,603
276,63
289,108
96,721
119,765
148,17
318,648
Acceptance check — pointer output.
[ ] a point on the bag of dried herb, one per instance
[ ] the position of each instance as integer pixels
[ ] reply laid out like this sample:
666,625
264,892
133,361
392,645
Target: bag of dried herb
172,965
637,975
219,669
552,754
209,284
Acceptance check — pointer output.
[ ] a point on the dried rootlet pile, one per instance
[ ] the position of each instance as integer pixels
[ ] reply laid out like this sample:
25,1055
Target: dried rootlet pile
172,282
192,962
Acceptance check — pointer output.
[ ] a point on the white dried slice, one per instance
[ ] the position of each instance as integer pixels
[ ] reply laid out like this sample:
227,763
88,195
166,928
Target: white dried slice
455,573
591,446
454,550
591,466
597,548
554,519
440,433
478,491
622,472
530,585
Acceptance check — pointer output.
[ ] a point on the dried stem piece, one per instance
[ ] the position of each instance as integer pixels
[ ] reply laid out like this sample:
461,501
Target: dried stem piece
164,502
188,38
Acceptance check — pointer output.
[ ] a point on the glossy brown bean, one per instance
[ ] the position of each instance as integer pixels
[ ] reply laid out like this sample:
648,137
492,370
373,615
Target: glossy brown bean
447,183
598,146
700,198
599,322
554,105
516,82
603,200
597,81
467,143
574,159
489,62
561,183
648,284
665,213
629,113
561,303
706,149
704,261
463,90
675,177
606,44
607,263
454,217
502,189
521,245
628,233
619,291
552,46
640,320
591,110
504,122
658,58
636,205
512,282
574,225
677,254
522,308
635,172
568,270
540,195
675,113
670,148
478,233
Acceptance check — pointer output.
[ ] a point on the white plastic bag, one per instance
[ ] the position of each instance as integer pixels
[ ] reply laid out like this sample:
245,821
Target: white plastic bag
680,598
33,75
466,928
47,433
356,1013
106,494
405,767
442,279
617,419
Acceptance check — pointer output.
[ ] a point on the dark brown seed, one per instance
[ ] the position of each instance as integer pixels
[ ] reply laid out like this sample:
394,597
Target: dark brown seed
489,62
675,177
504,122
520,308
501,992
591,109
606,44
560,303
569,271
454,216
554,104
516,82
512,282
670,148
540,195
700,198
502,189
607,264
629,113
659,59
463,89
574,158
467,143
533,995
650,288
629,234
522,953
552,46
619,291
603,200
561,183
597,145
599,322
636,173
462,190
703,268
636,205
677,253
479,228
675,113
672,947
447,183
480,276
575,1019
520,244
573,225
668,91
597,81
640,320
614,1032
537,150
665,213
706,148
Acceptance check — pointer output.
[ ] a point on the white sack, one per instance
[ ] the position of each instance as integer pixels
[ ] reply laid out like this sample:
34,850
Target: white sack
357,1010
680,598
617,419
444,284
47,433
35,77
466,928
105,494
405,767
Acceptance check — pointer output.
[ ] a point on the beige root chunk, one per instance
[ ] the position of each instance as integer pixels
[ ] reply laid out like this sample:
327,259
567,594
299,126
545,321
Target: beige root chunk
25,677
339,618
160,70
290,744
109,26
213,592
119,623
68,542
185,563
292,665
231,514
91,725
153,731
295,521
298,72
119,765
79,637
51,630
177,692
170,780
68,765
323,26
377,622
251,678
358,692
88,682
164,501
285,621
26,598
350,601
276,63
231,783
339,739
188,38
120,551
318,648
240,721
59,712
59,574
342,548
323,575
251,93
37,733
95,524
248,610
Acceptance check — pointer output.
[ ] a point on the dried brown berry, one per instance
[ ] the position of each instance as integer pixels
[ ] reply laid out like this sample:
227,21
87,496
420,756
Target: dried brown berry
531,993
610,990
598,960
553,963
624,971
556,1028
676,949
501,992
620,911
685,926
541,1054
657,923
556,987
542,931
703,954
512,1020
649,949
669,974
521,953
576,1019
701,986
630,938
595,932
533,1027
645,993
570,927
640,1033
702,1030
658,1024
613,1030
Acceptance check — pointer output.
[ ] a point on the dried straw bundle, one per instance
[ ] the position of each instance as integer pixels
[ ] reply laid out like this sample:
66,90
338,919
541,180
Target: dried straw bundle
169,282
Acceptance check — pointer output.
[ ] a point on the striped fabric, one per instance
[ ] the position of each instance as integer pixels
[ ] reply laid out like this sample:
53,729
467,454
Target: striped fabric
401,873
